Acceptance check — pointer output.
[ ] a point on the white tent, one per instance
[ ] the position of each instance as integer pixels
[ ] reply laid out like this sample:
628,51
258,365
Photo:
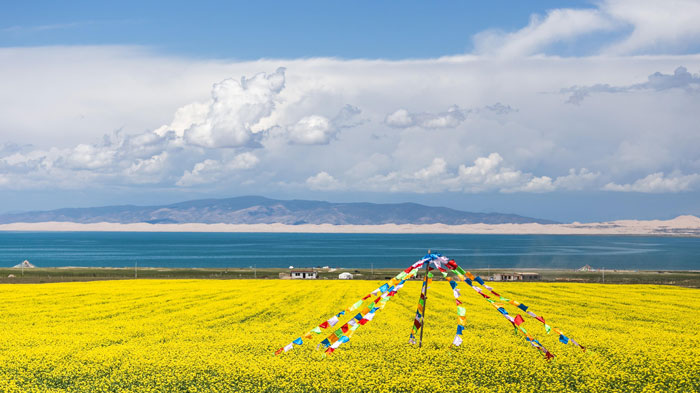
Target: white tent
25,264
345,276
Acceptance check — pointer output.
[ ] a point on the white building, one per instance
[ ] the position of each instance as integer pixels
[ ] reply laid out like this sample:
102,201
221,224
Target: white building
304,274
345,276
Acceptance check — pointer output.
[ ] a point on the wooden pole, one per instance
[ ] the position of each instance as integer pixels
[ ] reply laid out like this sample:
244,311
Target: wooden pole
425,301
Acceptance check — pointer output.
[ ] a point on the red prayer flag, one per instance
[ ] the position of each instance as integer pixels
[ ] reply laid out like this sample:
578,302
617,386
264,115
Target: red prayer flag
416,323
324,325
495,294
540,319
344,328
363,321
366,297
277,352
518,320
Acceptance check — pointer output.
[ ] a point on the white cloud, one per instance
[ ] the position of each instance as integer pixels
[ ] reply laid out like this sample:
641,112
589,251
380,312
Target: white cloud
437,168
633,26
576,180
401,118
209,170
658,183
229,119
614,137
323,181
657,26
557,26
311,130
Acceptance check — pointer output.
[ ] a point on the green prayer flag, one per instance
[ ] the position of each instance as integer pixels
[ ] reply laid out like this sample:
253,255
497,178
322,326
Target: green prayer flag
547,328
460,270
504,299
430,274
461,311
316,330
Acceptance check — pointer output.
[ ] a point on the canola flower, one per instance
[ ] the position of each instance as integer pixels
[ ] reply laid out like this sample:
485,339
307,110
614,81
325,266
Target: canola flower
220,336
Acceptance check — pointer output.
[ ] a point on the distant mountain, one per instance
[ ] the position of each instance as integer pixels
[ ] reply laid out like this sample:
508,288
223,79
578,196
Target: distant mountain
260,210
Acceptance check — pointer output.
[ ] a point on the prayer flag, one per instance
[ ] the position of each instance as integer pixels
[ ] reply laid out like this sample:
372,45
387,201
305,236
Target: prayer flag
453,284
277,352
344,328
307,335
563,339
479,280
461,311
518,320
457,341
298,341
384,288
324,325
288,347
316,330
468,281
547,328
540,319
355,306
460,329
333,321
469,274
522,307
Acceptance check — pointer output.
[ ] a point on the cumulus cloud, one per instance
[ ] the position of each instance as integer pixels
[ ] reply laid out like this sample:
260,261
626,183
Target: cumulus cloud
324,182
658,183
210,170
230,118
577,180
401,118
680,79
319,130
486,174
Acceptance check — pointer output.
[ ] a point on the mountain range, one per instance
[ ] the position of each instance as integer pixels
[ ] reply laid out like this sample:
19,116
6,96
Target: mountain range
261,210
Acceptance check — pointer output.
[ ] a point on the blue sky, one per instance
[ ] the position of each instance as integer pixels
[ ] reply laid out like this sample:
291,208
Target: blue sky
252,30
561,110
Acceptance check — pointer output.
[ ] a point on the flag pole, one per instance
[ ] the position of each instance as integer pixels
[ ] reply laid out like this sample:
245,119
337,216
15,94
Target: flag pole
425,301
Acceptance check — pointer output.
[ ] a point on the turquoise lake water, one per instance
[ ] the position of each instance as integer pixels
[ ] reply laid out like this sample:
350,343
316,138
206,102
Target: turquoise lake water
219,250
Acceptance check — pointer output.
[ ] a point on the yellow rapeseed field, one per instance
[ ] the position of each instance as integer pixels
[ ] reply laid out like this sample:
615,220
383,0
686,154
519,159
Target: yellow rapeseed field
220,336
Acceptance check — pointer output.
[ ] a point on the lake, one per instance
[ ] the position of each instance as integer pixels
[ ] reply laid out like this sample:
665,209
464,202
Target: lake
220,250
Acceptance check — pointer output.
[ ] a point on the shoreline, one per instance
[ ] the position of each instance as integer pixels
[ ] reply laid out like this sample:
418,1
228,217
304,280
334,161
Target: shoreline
49,275
682,226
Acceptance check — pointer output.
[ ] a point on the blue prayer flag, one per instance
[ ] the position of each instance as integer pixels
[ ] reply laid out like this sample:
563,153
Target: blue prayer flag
325,343
563,339
298,341
522,307
460,328
479,280
468,281
453,284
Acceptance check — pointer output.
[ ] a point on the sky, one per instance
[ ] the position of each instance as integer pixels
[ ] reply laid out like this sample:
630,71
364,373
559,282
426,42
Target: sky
567,110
